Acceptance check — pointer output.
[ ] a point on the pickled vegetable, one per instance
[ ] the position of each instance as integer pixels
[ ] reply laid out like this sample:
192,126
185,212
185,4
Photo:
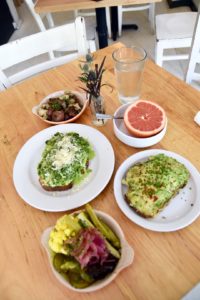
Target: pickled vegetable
106,231
99,271
85,249
77,281
58,260
85,222
71,271
70,265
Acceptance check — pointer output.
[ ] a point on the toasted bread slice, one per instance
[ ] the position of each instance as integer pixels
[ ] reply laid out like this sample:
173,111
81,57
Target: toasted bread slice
152,184
59,188
56,188
65,161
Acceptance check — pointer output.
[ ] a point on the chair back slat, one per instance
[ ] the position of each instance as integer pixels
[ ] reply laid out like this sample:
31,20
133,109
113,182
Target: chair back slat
71,37
41,67
40,43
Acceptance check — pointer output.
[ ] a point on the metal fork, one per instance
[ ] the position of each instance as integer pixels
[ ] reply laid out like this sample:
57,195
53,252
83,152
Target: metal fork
107,117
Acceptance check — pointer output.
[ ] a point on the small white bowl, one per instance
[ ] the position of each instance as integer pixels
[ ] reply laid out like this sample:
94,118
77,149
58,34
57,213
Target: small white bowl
80,96
124,136
126,259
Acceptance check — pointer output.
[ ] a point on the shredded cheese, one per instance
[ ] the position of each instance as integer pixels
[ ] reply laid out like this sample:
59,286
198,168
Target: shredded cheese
65,154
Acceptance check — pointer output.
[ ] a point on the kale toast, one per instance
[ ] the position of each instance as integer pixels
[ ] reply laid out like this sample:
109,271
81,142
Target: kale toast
151,184
65,161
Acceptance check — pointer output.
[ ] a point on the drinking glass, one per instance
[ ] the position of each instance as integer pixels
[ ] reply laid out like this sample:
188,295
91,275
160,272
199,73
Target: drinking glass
129,65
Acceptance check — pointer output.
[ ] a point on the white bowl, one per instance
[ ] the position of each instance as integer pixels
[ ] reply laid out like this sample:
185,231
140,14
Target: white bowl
80,96
126,259
124,136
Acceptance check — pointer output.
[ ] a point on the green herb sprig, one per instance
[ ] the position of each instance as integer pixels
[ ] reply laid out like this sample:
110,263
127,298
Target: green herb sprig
91,76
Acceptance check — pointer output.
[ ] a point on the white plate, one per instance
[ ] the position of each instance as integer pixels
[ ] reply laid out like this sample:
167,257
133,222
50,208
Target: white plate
25,175
181,211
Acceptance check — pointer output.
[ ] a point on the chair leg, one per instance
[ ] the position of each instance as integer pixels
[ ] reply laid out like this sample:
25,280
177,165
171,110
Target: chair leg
152,16
2,87
50,20
190,72
159,54
4,81
120,20
108,22
92,46
194,53
75,13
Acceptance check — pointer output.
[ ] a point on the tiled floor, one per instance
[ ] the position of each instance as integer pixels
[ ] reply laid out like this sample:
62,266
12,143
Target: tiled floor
142,37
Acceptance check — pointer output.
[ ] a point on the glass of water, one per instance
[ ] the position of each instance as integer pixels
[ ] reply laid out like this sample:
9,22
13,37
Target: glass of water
129,65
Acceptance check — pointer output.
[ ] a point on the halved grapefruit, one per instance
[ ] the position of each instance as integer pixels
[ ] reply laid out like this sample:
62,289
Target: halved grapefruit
144,118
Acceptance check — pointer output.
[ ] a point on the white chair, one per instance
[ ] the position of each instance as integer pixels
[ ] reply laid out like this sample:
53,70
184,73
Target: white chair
194,58
173,31
39,18
39,21
71,36
85,13
124,9
16,19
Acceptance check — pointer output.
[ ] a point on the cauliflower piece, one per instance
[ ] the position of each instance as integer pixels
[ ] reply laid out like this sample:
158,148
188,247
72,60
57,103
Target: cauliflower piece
42,113
66,227
56,240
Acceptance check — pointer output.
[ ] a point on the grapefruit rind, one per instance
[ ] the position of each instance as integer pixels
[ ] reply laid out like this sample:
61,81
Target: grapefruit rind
142,132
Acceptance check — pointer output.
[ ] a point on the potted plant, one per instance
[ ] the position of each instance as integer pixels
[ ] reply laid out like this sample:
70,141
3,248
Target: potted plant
91,76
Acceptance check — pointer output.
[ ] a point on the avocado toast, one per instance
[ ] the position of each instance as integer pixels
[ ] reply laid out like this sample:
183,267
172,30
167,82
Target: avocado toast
151,184
65,161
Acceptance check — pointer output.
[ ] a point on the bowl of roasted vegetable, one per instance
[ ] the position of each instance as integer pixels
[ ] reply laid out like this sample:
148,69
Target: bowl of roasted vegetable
86,249
61,107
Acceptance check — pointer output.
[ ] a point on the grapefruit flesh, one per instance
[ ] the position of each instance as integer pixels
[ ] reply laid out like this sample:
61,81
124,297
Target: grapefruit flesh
144,118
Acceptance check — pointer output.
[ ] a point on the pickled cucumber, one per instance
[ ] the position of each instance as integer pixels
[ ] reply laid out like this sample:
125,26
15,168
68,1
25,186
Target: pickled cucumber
70,269
61,243
70,265
58,260
84,220
106,231
77,281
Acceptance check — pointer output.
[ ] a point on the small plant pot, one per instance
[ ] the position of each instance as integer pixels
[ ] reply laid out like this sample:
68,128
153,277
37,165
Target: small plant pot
97,105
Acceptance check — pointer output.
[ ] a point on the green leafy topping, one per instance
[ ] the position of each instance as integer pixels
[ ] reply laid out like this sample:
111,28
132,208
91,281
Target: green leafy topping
65,159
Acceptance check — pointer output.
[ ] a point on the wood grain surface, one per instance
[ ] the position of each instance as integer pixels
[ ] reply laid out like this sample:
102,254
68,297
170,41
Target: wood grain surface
166,265
43,6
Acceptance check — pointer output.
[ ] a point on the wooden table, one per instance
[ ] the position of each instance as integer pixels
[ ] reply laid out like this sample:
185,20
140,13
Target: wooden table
49,6
166,265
